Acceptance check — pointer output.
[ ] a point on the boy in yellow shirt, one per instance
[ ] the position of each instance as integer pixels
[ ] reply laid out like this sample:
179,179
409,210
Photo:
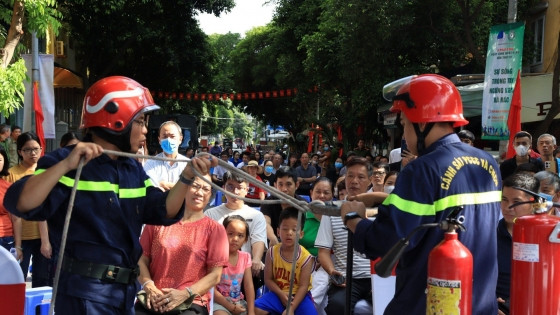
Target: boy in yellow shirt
278,267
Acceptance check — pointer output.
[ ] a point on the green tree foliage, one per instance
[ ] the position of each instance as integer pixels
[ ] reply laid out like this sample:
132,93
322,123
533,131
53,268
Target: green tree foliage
11,87
222,82
158,43
351,48
224,121
242,127
257,61
345,55
16,19
222,71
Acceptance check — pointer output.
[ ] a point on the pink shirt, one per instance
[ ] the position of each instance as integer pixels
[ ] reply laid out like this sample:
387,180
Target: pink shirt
234,272
182,253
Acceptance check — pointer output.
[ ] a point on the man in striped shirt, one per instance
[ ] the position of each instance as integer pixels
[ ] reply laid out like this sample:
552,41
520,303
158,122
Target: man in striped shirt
333,236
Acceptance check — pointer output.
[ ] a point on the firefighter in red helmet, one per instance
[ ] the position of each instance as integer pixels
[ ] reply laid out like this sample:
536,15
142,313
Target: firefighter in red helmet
427,99
114,199
447,174
111,105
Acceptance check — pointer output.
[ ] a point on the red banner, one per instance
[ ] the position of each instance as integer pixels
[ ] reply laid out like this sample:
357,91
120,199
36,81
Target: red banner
514,117
38,117
213,96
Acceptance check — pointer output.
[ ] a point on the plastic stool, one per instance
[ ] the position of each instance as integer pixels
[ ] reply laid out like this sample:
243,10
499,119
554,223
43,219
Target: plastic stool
38,299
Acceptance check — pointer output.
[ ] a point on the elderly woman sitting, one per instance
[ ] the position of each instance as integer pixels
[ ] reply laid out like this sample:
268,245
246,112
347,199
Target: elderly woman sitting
184,260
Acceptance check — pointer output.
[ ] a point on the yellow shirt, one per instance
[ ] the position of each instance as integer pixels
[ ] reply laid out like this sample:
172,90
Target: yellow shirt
282,267
30,229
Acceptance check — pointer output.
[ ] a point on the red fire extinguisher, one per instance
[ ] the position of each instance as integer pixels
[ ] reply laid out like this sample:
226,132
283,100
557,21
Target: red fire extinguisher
450,277
450,268
535,281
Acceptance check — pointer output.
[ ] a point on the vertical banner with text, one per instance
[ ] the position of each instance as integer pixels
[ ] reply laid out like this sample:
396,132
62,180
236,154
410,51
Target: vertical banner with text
503,60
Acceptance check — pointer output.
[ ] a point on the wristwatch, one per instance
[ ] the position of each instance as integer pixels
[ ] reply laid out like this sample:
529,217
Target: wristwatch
185,180
350,216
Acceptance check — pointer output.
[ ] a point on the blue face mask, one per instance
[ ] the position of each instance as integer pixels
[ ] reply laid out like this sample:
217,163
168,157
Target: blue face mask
546,196
338,165
169,145
269,169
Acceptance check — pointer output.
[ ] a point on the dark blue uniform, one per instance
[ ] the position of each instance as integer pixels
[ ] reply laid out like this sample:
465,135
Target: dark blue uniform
114,199
449,174
505,246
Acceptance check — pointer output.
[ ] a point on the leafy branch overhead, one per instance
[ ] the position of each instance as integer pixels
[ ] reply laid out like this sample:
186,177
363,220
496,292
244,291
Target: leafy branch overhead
22,17
351,48
11,87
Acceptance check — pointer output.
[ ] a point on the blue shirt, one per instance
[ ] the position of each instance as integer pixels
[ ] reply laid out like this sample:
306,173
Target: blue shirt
449,174
114,199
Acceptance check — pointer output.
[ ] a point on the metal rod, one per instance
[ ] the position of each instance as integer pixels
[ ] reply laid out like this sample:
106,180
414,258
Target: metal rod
294,261
65,234
284,198
349,270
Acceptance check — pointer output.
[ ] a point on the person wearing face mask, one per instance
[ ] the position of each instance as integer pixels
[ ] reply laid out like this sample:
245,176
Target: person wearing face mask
338,164
165,174
334,171
549,187
268,176
522,144
315,163
389,182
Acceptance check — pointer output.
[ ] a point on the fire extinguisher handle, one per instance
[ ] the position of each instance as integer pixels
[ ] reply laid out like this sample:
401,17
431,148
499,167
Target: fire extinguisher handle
384,267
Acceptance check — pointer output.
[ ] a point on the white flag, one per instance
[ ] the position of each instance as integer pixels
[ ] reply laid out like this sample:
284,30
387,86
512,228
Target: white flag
46,94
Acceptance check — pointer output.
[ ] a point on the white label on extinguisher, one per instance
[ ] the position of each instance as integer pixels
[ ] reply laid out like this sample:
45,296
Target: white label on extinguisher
444,296
526,252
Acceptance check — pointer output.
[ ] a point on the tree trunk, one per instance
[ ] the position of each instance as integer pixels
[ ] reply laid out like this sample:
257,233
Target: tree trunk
555,106
468,40
14,34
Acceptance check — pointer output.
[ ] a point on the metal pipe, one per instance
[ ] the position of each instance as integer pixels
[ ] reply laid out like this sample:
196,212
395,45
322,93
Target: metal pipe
34,71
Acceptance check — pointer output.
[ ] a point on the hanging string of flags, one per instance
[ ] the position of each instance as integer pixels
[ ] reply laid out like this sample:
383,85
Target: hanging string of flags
231,96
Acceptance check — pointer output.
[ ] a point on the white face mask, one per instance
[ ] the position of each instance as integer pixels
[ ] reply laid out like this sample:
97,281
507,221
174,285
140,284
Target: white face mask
388,189
521,150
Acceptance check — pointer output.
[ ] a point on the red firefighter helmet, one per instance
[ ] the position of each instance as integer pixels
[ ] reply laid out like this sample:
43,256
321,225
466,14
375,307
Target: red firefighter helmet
113,102
426,98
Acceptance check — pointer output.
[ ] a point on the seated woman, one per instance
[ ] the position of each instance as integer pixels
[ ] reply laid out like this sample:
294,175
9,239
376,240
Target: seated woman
183,259
322,190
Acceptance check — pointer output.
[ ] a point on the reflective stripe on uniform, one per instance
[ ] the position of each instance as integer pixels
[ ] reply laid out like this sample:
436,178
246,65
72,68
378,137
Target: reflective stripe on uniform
86,185
422,209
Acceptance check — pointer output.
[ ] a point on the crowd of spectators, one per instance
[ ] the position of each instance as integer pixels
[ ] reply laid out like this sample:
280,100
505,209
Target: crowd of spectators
213,228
